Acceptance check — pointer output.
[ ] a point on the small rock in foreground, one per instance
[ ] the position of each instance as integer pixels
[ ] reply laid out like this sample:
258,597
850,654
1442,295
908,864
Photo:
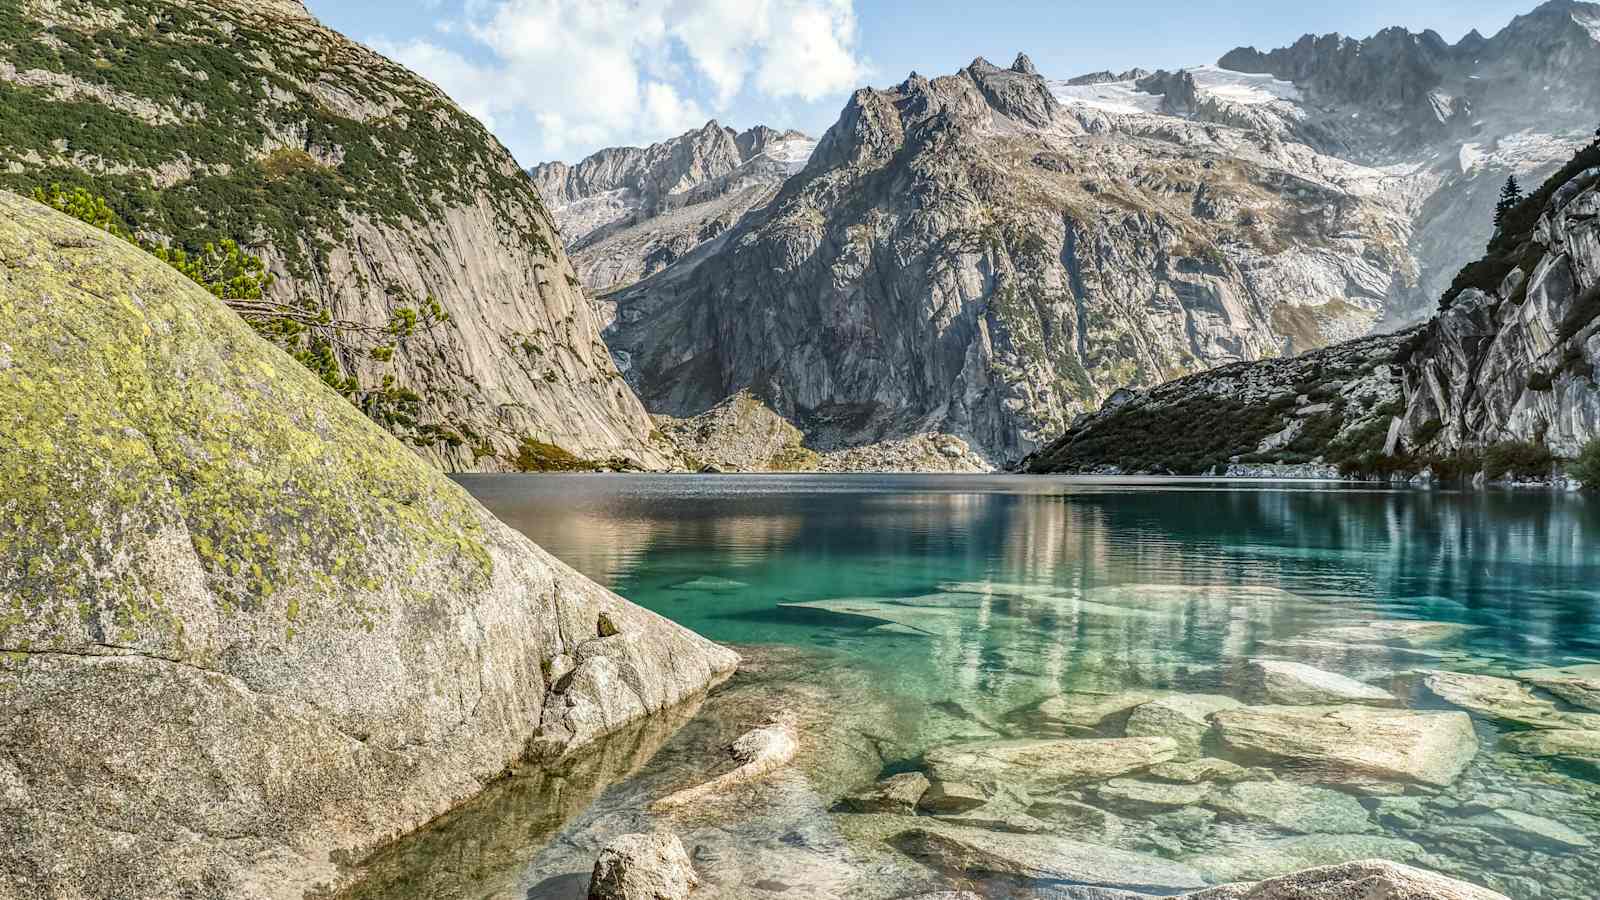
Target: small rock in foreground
643,867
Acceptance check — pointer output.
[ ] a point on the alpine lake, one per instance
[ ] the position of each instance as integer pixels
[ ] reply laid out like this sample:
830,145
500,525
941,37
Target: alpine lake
1058,687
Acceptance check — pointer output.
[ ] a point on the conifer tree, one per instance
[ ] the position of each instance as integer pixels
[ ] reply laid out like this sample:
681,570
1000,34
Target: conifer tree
1510,196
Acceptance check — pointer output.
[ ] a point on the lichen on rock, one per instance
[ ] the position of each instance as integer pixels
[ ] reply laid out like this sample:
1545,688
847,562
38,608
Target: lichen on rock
234,609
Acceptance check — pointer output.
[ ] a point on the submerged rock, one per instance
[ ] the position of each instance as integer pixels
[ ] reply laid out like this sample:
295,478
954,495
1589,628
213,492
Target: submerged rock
1578,685
1403,632
1582,747
1079,709
1496,698
1269,859
1045,858
1144,797
1198,770
1527,828
1293,807
1183,717
1355,743
1370,879
760,752
1297,684
643,867
1064,763
952,798
294,638
895,794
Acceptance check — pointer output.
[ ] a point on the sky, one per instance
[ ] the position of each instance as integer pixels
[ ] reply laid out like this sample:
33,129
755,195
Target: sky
559,79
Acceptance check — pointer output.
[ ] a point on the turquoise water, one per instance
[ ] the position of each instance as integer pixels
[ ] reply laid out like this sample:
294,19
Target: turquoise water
901,613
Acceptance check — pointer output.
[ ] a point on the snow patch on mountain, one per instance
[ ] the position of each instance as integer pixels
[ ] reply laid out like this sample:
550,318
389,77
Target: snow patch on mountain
1118,97
1238,87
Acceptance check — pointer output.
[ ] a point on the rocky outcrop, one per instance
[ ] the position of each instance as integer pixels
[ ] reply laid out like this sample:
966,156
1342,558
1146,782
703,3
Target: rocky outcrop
628,212
1502,382
364,188
246,635
760,752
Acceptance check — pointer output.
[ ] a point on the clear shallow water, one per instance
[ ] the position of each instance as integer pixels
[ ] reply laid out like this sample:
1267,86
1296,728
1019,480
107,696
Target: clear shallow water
896,614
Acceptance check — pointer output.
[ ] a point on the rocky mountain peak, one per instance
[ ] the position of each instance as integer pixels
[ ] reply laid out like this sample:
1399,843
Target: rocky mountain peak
1024,65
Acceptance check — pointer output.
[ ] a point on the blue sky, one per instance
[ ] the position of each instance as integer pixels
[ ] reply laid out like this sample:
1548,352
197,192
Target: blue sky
558,79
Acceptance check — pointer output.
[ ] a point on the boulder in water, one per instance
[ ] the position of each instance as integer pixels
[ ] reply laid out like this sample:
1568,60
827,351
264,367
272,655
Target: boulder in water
1377,879
1578,685
1186,718
643,867
1297,684
1354,744
1048,764
1045,858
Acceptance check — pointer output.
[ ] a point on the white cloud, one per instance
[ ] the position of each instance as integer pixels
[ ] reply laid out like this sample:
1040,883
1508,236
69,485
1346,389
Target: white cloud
571,75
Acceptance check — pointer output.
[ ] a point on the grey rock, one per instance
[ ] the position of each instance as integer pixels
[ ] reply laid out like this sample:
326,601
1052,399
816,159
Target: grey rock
1297,684
1527,828
643,867
277,699
1143,797
1370,878
1048,764
895,794
1183,717
1497,698
952,798
1579,685
1045,857
1273,858
1355,743
1302,809
1086,710
1199,770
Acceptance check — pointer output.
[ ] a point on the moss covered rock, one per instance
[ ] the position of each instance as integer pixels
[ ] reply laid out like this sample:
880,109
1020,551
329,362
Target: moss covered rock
245,635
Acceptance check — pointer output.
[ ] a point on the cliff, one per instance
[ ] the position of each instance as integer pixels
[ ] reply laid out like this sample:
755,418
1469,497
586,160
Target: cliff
363,187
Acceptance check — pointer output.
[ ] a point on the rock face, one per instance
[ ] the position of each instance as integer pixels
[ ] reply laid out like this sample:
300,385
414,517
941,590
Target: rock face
643,867
991,254
363,187
628,212
1511,363
237,611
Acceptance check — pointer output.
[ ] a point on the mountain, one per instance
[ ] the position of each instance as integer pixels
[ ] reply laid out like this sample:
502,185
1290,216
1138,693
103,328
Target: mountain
362,186
989,254
628,212
1504,381
970,255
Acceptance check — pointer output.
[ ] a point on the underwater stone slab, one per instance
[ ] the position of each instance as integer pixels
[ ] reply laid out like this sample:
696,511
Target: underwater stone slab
1298,808
1272,858
1046,858
1183,717
1578,685
1527,828
1297,684
1409,633
1083,709
1368,879
895,794
1199,770
1355,743
1063,763
1144,797
1496,698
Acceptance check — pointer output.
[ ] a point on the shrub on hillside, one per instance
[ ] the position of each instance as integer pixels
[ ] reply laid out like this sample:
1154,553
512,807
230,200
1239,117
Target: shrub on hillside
1587,468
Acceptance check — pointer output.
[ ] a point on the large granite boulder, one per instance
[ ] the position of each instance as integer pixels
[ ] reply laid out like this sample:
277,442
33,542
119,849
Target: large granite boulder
245,633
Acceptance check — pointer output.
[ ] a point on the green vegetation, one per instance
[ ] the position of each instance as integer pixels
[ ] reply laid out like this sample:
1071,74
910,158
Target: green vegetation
1587,467
1510,196
1193,437
304,330
538,456
1513,246
1518,458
